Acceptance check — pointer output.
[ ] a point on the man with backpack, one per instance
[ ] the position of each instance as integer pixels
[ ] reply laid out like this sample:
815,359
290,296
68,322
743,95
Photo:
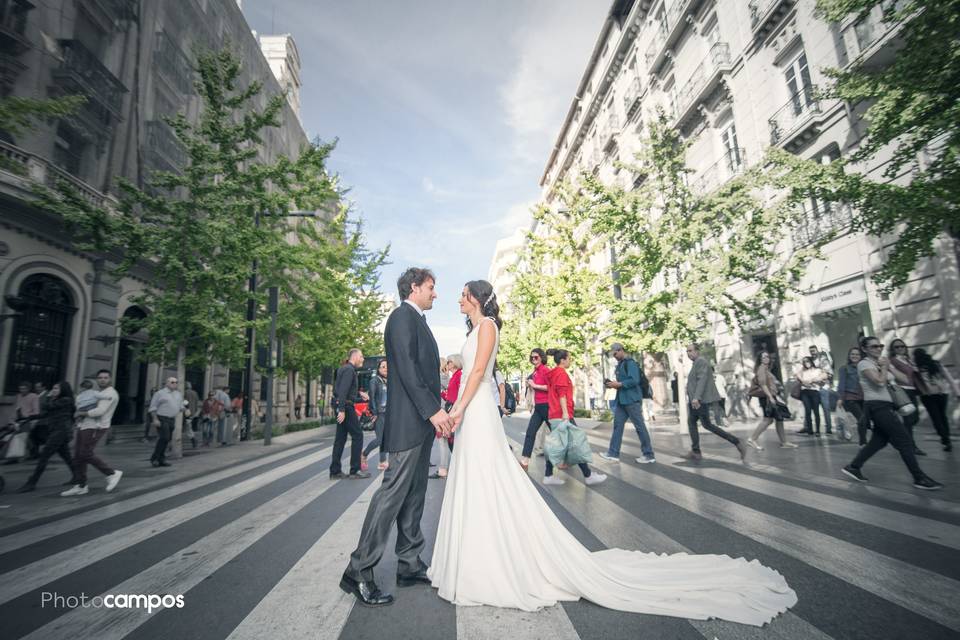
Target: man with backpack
632,387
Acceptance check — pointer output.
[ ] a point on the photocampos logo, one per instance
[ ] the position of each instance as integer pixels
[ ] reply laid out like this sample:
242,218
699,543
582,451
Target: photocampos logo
112,601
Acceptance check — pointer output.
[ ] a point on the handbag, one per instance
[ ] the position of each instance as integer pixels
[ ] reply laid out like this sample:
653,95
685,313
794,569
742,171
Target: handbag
901,400
795,388
783,411
755,390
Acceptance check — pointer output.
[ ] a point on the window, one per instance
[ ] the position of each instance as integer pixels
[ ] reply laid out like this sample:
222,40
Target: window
731,148
41,333
799,85
713,34
68,149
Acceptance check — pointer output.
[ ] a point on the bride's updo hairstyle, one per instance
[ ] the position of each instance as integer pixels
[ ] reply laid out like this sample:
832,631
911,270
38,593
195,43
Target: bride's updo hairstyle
482,292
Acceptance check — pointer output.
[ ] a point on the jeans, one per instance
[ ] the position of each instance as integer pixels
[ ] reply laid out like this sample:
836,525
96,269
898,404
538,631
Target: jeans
206,429
887,428
825,403
635,413
537,418
811,407
86,444
584,468
221,429
378,430
703,415
58,442
719,409
855,407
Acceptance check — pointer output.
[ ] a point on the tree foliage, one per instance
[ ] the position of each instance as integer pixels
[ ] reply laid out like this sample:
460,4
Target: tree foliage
913,113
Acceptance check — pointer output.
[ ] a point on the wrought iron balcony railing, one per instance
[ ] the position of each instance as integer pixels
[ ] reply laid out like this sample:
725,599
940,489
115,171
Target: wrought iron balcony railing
82,68
731,164
631,99
822,220
791,119
704,76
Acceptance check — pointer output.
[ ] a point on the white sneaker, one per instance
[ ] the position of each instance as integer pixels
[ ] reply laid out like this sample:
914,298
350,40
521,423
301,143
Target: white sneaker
643,460
609,458
753,443
788,445
595,478
112,480
554,480
76,490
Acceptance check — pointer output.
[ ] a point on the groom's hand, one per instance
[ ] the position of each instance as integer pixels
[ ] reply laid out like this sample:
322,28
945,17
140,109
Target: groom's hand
442,422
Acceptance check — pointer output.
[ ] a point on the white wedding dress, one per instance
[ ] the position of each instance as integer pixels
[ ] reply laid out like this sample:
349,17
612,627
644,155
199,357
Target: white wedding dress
499,544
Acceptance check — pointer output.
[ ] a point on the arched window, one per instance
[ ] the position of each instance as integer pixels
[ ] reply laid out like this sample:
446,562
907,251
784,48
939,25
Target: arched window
41,333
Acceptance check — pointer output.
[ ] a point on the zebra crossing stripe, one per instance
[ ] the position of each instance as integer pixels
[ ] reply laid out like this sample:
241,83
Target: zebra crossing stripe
490,623
180,572
36,574
308,603
38,534
930,596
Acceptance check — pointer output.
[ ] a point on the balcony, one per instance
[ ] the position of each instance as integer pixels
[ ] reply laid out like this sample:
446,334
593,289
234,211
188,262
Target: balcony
173,65
81,72
704,79
13,26
609,132
765,15
731,164
163,147
866,40
797,122
631,99
822,221
27,167
668,33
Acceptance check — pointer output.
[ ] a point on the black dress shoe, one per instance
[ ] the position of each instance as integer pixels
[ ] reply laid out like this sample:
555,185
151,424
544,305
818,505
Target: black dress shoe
366,592
411,579
359,475
339,475
917,451
164,464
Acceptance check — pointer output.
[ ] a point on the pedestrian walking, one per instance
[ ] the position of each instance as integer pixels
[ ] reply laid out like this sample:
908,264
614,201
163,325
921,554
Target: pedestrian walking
26,408
212,408
875,379
938,386
165,405
701,391
192,414
908,378
560,408
720,407
147,422
811,379
378,407
851,396
223,397
297,406
345,394
60,407
93,425
769,391
541,408
631,386
822,361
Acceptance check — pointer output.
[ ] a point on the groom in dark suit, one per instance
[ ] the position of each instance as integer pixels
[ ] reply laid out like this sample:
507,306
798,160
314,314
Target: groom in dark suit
414,418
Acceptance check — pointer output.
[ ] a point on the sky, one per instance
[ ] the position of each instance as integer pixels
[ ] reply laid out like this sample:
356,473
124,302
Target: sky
444,112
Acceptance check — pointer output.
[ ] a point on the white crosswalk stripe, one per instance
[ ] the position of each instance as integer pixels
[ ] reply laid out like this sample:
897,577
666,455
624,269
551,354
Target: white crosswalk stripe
308,602
36,574
178,573
64,525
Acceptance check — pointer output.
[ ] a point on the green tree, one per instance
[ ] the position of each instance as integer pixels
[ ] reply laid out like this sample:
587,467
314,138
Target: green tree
914,112
686,258
19,114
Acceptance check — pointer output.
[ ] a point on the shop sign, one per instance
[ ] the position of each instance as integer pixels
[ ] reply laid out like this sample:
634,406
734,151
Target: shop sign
838,296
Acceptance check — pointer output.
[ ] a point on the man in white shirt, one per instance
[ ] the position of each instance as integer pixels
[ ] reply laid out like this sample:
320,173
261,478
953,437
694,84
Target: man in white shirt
93,424
222,432
165,405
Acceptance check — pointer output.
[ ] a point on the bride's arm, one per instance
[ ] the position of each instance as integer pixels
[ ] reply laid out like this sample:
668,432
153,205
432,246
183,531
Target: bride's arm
486,340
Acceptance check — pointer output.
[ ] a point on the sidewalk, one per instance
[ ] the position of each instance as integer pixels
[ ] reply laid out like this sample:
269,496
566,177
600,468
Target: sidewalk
815,459
133,458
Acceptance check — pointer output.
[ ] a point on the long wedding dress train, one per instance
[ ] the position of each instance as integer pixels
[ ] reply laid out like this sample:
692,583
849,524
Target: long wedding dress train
499,544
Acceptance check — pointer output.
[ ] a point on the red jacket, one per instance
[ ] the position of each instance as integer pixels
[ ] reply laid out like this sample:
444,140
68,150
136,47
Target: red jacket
453,387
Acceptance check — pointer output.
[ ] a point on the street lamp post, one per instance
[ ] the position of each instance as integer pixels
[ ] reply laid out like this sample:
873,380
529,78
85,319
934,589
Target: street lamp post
251,317
272,307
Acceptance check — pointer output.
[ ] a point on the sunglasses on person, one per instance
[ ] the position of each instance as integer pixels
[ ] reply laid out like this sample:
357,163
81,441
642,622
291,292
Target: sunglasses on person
534,358
875,345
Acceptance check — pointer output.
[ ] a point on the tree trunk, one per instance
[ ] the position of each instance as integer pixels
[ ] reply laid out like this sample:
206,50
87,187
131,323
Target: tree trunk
176,440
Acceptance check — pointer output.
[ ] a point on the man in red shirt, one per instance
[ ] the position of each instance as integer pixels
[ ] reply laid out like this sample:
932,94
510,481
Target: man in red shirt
537,382
560,407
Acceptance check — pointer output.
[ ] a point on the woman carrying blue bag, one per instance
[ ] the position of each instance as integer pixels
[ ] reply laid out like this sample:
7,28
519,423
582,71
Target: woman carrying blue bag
566,442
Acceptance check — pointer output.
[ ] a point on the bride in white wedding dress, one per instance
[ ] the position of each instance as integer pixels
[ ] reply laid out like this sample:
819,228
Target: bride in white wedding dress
499,544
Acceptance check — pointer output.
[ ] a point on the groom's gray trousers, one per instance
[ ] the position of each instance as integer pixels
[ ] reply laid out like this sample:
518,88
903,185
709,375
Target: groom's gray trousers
399,499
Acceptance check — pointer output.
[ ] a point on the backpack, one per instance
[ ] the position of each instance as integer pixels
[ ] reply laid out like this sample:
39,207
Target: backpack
509,398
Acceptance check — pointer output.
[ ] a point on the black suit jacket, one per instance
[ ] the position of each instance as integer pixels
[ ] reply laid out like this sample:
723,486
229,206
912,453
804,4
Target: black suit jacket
414,364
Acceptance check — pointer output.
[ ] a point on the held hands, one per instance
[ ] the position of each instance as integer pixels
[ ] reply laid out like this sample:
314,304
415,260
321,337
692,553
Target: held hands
443,423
